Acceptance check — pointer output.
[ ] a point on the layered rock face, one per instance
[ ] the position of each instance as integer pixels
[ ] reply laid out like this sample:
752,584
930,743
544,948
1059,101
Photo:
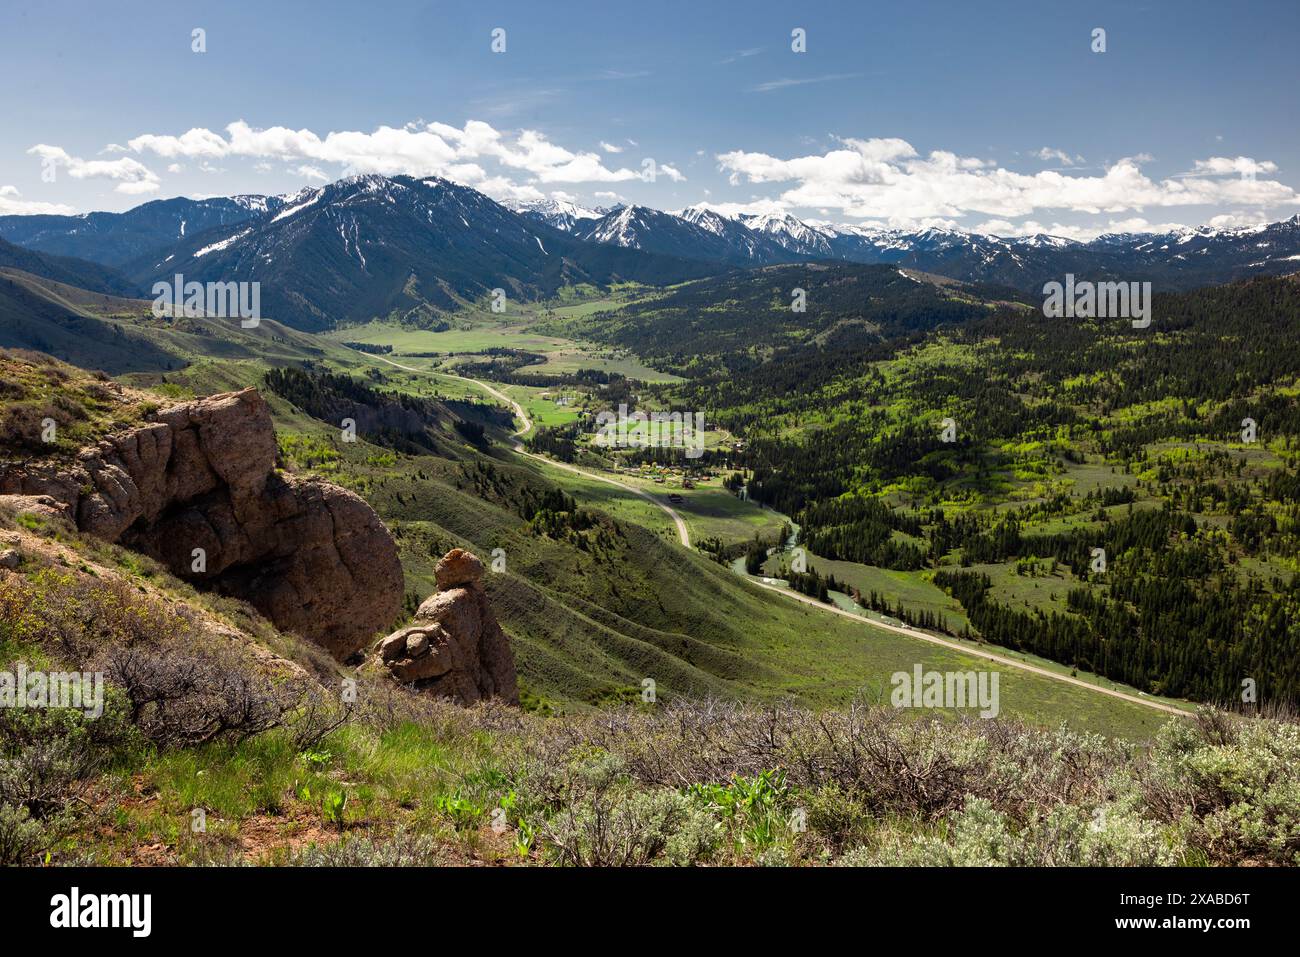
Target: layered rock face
197,489
454,648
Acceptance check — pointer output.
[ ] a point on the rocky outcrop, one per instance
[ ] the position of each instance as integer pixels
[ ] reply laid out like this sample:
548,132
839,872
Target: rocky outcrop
197,488
454,647
41,506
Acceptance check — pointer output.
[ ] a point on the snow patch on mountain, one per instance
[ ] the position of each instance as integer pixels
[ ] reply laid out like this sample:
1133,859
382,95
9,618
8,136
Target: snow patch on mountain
298,202
223,244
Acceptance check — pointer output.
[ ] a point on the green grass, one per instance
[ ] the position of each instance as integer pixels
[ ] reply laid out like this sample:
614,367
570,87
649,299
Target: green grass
1043,591
541,406
586,308
592,493
479,332
230,781
570,360
711,511
439,783
487,334
913,588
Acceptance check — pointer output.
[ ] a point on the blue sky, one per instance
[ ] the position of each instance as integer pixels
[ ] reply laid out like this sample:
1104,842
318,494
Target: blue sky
992,115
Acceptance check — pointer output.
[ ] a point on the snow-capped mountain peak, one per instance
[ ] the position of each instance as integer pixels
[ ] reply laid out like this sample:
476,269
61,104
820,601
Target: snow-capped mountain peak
706,218
1046,240
620,228
558,213
790,233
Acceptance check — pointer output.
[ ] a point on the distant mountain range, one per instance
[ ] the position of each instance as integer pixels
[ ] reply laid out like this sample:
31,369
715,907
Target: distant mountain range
116,239
410,248
399,247
695,234
1180,259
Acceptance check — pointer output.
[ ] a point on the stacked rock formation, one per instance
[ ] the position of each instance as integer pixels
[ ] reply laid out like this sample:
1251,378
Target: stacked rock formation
454,647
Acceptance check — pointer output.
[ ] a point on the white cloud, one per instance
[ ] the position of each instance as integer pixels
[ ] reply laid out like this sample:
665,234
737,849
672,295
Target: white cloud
12,203
1047,155
418,149
133,177
502,189
784,82
886,179
312,172
755,206
610,147
1084,233
1228,220
1239,166
674,174
193,144
136,188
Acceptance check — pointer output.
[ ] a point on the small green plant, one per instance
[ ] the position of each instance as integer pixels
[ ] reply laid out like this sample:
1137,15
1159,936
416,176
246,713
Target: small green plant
743,795
332,807
753,805
525,837
463,812
32,523
317,759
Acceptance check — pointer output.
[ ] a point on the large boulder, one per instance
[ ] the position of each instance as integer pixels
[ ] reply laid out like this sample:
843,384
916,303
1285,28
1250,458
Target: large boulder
458,567
454,647
197,488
